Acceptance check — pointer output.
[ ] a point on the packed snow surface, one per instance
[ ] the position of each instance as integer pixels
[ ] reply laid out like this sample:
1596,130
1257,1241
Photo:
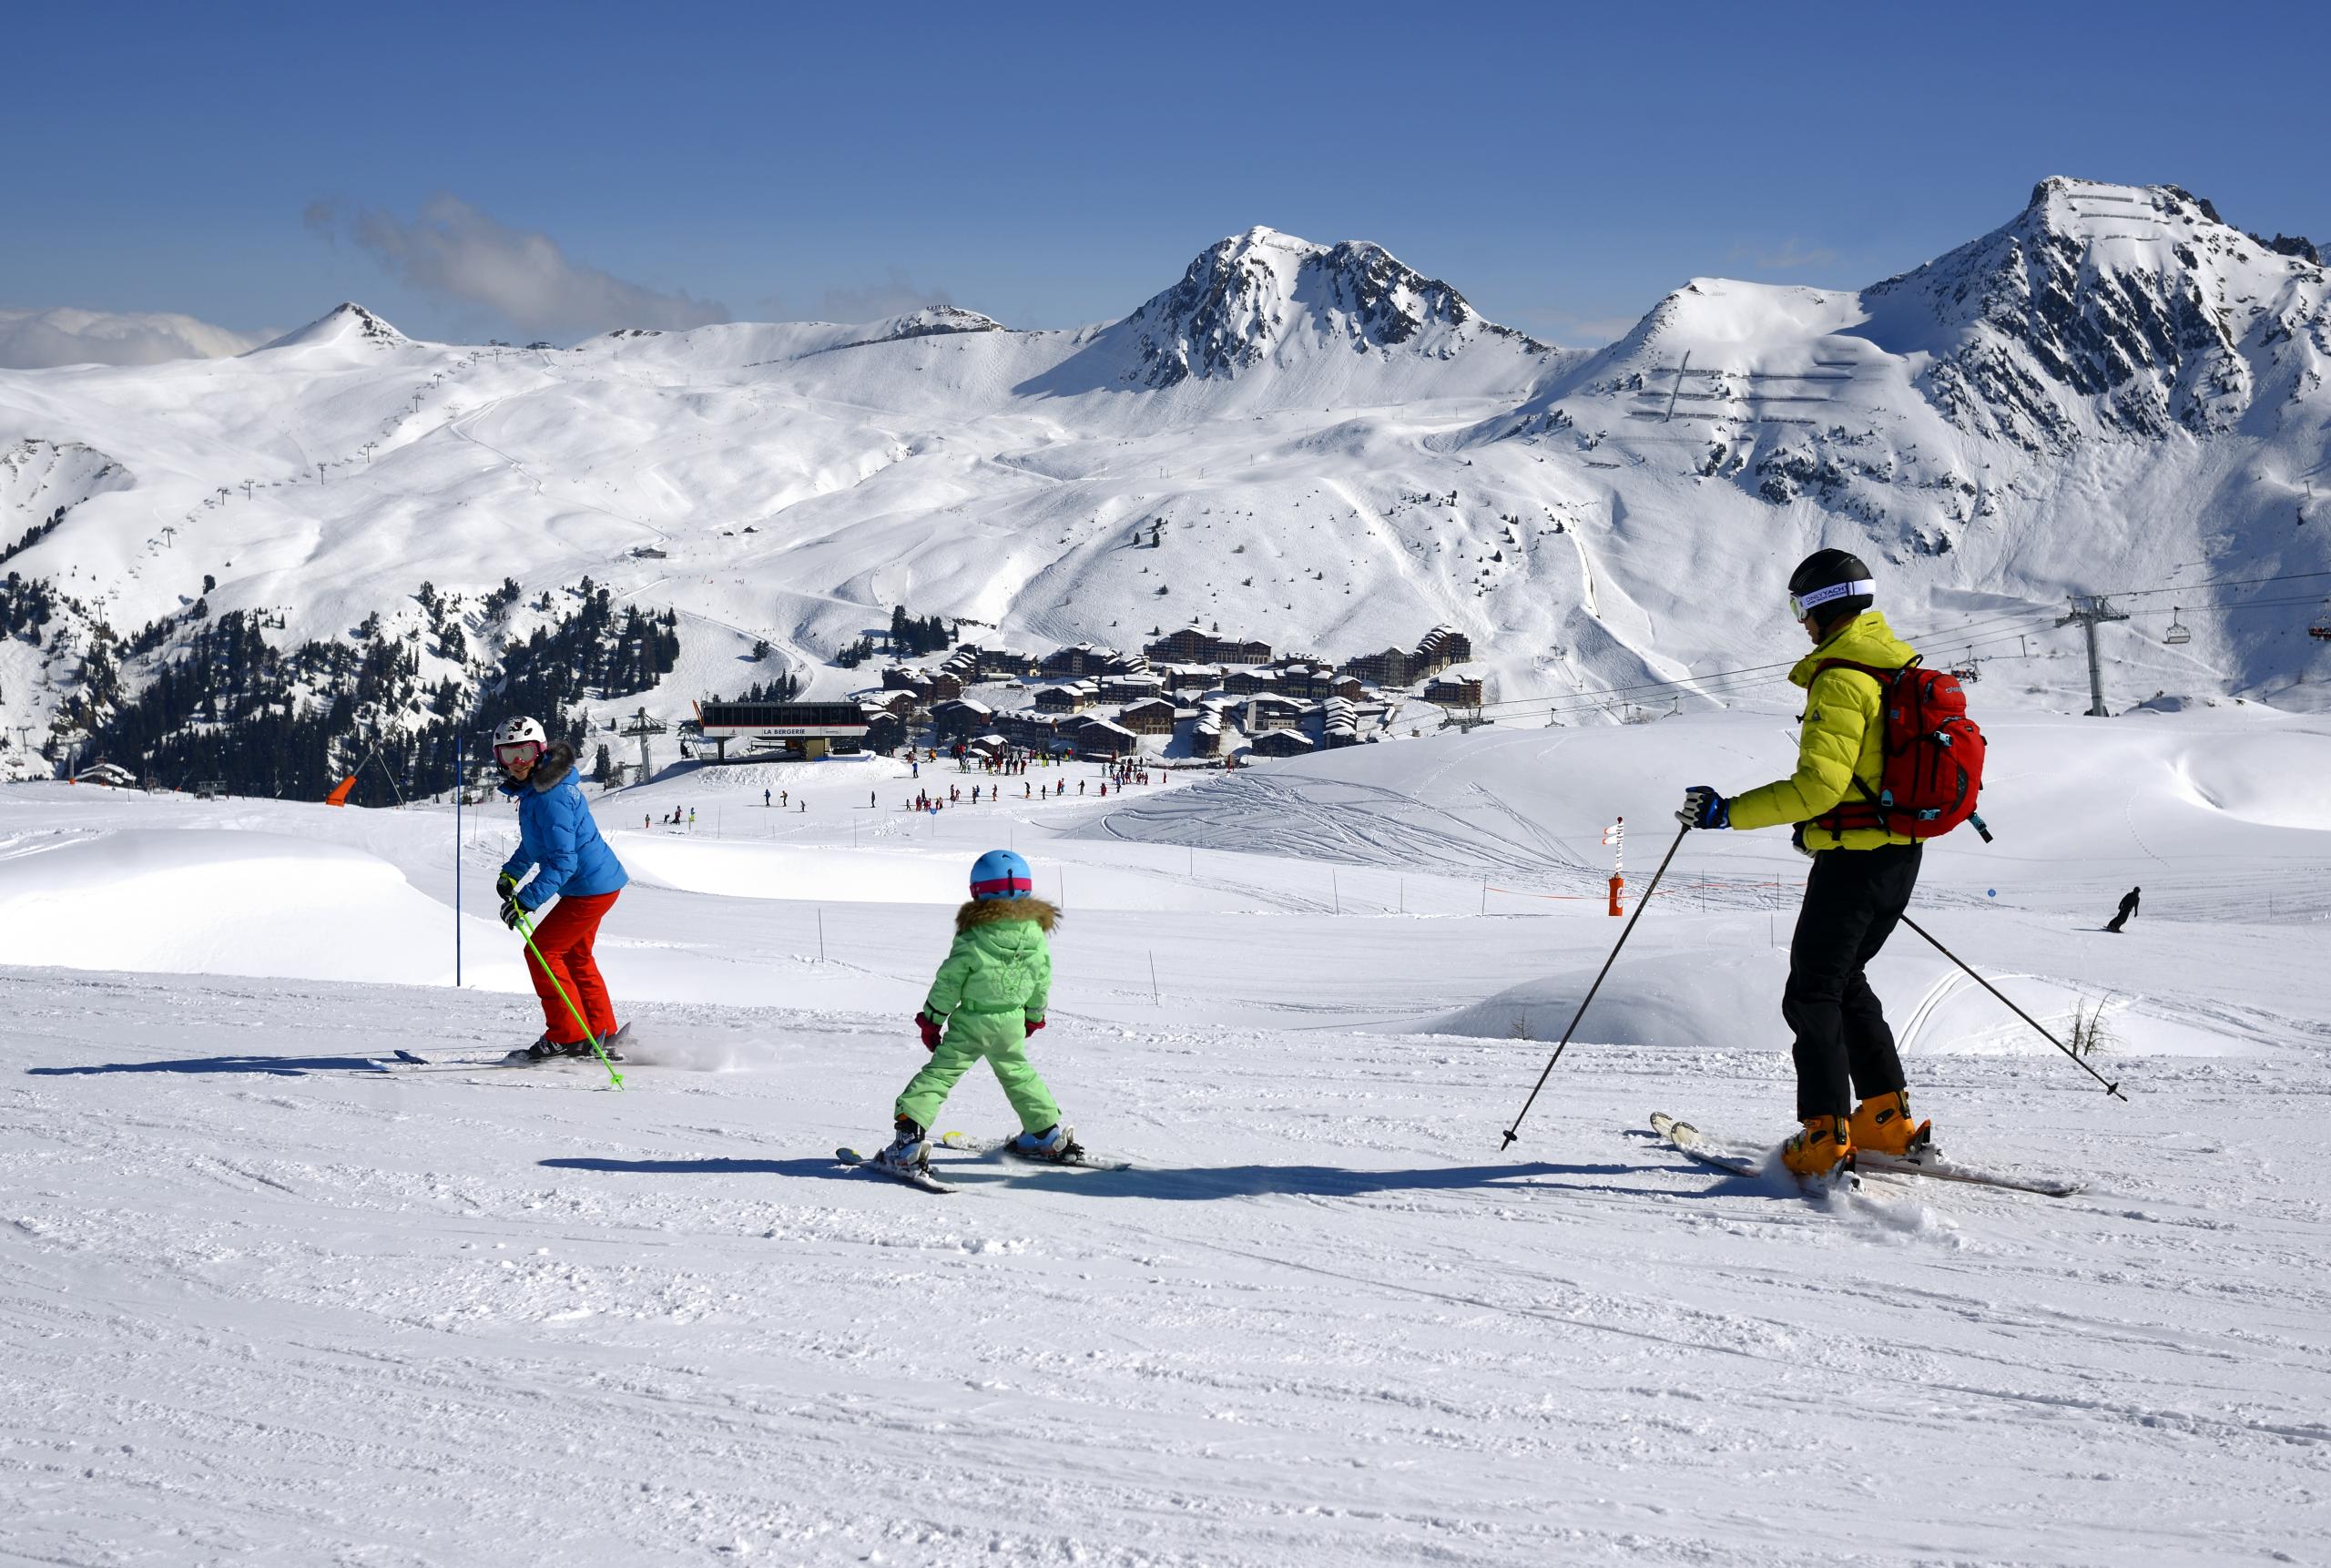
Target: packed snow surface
268,1302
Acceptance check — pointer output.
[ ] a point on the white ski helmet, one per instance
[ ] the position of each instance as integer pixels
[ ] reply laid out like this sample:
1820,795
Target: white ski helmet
515,733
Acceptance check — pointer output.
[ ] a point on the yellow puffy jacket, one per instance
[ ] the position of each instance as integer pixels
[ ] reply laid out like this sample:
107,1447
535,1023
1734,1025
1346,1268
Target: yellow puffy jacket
1843,738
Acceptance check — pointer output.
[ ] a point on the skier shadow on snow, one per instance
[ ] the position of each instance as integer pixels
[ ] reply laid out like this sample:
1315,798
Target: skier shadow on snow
273,1067
1199,1184
1190,1185
709,1165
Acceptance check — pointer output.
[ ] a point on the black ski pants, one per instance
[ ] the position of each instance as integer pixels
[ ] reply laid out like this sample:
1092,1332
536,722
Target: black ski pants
1852,902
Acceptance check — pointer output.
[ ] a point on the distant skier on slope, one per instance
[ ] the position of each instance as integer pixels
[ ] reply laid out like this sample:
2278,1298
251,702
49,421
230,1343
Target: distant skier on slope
988,998
1862,876
559,842
2128,908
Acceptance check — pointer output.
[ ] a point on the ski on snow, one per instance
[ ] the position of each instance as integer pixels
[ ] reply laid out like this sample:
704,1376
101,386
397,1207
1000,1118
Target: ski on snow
406,1061
1083,1158
1929,1163
915,1177
922,1178
1690,1141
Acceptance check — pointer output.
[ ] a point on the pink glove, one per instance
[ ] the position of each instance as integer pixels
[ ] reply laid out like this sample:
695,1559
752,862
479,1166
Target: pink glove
1034,1024
931,1030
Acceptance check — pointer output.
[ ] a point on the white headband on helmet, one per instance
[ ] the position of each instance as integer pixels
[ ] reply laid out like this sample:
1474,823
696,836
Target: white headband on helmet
1801,603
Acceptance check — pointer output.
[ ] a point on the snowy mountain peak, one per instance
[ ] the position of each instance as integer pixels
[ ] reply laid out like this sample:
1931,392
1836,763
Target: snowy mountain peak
935,321
346,323
2135,309
1263,294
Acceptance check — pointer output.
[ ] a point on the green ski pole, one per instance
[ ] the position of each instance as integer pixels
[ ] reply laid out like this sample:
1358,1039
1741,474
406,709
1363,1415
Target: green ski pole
525,928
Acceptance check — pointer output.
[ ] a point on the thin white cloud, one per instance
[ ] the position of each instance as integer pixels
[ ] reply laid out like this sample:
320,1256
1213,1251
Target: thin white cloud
1573,331
1788,256
895,296
460,253
38,340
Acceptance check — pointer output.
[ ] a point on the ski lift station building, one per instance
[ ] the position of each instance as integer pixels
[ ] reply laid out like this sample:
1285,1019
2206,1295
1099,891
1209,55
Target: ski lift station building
812,729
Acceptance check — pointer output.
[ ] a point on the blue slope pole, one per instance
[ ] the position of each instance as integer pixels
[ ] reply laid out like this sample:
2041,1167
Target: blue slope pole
461,749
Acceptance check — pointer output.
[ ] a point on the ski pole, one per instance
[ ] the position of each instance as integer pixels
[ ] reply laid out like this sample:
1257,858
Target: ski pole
1642,905
2110,1087
525,928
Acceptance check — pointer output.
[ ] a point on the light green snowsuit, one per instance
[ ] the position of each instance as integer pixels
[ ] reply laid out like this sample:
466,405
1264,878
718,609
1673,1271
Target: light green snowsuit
995,982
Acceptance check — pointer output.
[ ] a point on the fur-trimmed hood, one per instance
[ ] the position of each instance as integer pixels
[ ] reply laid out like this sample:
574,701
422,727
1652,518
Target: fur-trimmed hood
995,911
557,762
553,765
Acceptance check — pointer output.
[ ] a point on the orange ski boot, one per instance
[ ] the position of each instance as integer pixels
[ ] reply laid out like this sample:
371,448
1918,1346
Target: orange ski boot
1824,1145
1882,1124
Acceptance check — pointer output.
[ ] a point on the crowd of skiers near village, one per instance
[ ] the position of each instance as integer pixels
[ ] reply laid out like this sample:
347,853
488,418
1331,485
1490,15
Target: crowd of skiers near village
1014,764
1886,759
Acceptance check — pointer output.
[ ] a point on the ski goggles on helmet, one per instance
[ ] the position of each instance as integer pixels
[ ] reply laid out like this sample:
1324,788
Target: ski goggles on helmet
1803,605
510,753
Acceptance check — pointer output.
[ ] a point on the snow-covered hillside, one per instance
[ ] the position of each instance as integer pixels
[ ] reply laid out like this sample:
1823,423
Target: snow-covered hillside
270,1302
1332,453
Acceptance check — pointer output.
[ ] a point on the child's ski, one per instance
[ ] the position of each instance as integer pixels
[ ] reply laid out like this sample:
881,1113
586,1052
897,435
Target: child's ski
916,1177
1078,1155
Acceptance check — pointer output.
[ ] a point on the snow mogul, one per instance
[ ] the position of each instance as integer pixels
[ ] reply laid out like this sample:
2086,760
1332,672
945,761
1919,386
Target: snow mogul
987,999
559,843
1865,843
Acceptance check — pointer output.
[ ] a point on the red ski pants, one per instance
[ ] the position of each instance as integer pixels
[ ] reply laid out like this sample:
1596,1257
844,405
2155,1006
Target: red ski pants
562,957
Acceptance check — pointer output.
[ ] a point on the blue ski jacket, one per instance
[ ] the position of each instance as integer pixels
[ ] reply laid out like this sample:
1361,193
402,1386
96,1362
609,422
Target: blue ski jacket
556,833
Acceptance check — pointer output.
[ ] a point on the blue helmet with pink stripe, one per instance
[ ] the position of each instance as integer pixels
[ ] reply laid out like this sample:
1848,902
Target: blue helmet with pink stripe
1001,874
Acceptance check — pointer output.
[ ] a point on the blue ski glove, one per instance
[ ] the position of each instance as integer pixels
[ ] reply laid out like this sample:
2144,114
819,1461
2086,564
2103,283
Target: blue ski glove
1704,807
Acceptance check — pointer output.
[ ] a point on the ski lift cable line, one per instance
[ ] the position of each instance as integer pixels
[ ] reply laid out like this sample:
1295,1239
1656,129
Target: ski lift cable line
1955,638
2224,607
2212,582
2233,608
1717,682
1720,683
1723,683
1962,639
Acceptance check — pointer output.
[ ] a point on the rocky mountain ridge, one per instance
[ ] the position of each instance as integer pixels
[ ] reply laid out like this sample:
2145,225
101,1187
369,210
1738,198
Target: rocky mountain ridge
1310,444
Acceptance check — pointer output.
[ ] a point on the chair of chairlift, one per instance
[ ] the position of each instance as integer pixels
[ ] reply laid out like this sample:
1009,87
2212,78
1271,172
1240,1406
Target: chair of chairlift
2322,626
2177,633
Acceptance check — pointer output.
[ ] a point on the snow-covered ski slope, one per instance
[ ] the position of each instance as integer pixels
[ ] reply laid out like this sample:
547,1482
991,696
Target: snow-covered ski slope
2113,391
268,1304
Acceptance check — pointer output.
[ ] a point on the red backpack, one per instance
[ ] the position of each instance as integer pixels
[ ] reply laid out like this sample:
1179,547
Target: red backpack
1933,753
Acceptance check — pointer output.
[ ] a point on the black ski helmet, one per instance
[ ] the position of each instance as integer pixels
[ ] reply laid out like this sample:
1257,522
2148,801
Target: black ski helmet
1813,588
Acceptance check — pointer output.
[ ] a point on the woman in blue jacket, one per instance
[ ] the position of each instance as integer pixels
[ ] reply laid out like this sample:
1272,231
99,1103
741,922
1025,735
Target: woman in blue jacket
560,844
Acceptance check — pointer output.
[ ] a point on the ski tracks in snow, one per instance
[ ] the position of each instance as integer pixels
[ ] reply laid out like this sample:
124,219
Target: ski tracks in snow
269,1308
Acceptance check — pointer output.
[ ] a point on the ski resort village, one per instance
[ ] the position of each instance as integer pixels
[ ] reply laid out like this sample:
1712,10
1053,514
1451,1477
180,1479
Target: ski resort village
1235,915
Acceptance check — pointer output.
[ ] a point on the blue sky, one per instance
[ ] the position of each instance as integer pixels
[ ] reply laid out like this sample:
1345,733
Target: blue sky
484,169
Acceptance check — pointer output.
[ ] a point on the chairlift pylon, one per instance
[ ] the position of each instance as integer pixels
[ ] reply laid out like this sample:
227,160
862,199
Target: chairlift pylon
2177,633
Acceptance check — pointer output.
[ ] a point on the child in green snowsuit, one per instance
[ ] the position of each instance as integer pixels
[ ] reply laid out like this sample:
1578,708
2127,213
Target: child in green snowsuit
988,996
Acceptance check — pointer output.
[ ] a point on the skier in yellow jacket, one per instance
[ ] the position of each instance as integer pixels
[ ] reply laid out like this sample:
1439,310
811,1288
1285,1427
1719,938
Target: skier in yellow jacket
1861,880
